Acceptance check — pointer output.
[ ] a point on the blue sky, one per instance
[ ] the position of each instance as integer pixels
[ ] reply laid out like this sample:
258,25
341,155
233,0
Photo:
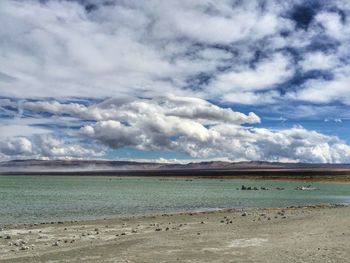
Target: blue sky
175,80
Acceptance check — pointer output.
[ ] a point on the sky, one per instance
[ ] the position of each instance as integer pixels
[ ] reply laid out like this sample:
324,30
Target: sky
177,80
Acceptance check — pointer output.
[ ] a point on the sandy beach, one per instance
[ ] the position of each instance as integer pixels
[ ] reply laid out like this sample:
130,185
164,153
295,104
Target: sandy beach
303,234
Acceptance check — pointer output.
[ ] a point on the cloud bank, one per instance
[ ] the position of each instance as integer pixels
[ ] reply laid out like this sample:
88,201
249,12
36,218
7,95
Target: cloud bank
233,51
81,78
170,123
44,147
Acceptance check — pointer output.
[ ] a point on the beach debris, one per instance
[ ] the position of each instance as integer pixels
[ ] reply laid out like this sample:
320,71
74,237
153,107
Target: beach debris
19,242
244,214
55,244
158,229
134,231
281,213
7,237
23,248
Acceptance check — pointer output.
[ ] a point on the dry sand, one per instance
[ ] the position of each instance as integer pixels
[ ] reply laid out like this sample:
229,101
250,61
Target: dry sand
309,234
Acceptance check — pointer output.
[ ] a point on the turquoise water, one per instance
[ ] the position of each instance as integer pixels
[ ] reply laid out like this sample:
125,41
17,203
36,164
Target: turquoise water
28,199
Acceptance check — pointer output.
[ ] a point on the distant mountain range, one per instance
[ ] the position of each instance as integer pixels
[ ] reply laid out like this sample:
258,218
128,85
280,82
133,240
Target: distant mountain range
33,165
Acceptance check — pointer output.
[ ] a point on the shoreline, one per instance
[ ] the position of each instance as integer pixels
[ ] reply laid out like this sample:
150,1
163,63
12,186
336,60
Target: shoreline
341,176
317,232
174,213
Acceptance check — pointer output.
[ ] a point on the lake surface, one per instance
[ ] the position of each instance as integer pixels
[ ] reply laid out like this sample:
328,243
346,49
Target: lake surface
28,199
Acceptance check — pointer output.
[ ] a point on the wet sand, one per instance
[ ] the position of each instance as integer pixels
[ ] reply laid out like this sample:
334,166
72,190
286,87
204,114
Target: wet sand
308,234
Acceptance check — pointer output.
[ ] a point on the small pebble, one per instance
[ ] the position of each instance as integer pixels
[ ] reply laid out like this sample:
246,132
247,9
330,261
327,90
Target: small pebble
23,248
